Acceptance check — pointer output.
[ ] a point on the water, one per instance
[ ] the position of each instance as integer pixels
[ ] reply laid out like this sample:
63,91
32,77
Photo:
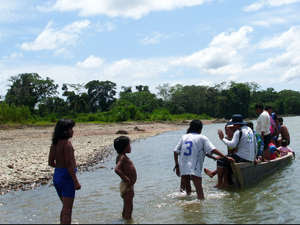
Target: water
157,199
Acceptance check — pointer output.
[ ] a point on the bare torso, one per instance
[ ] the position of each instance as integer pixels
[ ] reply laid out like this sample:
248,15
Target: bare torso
59,153
127,168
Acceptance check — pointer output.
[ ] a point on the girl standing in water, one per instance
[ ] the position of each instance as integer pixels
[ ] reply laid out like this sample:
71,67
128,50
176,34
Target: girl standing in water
61,157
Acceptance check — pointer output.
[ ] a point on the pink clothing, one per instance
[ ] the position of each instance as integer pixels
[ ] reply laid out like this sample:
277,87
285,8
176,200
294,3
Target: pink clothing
284,150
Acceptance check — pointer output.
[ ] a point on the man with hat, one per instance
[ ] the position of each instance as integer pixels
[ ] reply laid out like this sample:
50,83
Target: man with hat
243,140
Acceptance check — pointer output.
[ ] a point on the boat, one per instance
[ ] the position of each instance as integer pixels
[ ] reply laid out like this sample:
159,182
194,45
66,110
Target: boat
248,174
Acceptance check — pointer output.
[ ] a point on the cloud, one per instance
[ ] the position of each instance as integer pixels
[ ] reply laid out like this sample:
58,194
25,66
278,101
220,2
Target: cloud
119,8
51,38
223,54
154,38
91,62
268,3
286,63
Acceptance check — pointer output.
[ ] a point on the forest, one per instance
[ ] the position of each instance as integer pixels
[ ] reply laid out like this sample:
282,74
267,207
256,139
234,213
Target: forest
30,99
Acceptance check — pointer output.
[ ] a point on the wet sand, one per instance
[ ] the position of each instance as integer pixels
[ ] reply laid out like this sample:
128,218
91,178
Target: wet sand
24,151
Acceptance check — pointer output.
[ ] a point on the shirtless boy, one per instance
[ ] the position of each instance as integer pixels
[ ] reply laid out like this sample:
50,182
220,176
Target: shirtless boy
127,172
61,157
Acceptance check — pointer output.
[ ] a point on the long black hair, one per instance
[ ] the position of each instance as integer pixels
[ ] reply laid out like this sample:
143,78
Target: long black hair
61,130
195,127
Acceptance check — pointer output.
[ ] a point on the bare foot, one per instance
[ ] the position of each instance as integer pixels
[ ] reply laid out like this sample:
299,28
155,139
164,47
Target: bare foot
209,173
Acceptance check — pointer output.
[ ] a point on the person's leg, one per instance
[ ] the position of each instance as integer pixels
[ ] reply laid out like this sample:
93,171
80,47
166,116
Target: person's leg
198,185
66,212
186,182
128,204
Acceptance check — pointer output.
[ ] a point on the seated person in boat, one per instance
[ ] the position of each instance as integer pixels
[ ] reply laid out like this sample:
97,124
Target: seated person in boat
283,149
245,146
273,151
283,132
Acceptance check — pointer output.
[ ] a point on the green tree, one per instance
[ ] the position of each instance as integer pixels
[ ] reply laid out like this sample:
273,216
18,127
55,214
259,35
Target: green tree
101,95
29,89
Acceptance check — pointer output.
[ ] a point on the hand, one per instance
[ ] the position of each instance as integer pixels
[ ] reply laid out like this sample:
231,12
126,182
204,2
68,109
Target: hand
127,180
77,186
230,159
221,134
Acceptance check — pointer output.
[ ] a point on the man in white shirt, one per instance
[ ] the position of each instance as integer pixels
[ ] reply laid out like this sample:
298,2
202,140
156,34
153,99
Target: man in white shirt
243,140
263,125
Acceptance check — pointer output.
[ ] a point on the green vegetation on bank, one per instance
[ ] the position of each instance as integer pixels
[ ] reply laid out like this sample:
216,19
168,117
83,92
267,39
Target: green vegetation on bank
33,100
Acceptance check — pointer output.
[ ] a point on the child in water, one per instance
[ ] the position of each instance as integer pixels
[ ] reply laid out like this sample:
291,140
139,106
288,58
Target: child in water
61,157
127,172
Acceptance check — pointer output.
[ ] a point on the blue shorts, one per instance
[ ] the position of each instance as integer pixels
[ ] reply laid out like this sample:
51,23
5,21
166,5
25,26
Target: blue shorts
63,183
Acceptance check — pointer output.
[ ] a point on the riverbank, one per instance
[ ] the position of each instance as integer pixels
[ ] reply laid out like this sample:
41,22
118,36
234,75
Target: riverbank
24,151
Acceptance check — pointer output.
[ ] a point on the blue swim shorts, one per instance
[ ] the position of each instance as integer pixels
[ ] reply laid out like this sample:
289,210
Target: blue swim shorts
63,183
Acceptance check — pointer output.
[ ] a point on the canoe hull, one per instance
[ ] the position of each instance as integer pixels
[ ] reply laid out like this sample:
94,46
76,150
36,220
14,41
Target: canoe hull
247,174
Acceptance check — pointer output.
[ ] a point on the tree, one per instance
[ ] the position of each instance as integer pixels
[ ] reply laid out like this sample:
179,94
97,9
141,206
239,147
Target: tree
101,95
29,89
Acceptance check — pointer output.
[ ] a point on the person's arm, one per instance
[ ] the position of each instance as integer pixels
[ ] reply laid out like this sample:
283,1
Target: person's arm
119,170
51,157
230,143
217,152
71,164
176,167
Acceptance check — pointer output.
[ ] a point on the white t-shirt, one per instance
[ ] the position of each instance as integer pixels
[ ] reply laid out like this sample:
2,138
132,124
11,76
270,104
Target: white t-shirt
246,146
192,148
263,123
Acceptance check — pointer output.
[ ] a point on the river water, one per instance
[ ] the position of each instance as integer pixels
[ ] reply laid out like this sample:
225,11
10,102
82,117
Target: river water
157,199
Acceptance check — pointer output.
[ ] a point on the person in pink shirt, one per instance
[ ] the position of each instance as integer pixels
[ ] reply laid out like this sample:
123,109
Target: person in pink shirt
283,149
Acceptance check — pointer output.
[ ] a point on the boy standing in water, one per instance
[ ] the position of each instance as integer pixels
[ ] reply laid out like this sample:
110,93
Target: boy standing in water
127,172
61,156
191,150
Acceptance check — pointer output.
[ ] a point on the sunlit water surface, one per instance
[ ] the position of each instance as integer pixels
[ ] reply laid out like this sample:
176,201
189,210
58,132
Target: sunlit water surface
157,199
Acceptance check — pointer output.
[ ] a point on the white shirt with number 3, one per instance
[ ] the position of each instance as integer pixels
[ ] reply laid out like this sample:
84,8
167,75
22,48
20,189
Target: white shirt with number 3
192,148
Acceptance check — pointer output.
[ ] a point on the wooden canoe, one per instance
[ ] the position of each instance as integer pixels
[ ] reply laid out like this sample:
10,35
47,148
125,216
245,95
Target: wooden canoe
248,174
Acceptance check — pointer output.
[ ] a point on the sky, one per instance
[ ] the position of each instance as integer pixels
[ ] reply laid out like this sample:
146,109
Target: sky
152,42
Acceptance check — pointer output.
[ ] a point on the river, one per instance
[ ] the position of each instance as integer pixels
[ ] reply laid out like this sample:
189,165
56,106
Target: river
157,199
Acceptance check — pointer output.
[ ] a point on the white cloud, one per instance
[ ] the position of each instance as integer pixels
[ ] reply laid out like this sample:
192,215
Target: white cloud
51,38
267,22
154,38
91,62
120,8
268,3
285,64
223,54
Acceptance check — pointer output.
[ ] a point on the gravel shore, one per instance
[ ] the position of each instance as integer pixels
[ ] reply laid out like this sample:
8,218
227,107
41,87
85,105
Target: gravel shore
24,151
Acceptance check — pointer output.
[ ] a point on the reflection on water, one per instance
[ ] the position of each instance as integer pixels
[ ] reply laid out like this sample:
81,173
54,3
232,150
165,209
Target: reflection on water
157,197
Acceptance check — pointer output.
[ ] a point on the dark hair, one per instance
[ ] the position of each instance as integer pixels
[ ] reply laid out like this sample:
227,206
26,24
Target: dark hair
250,124
61,130
195,127
120,143
268,107
259,106
284,142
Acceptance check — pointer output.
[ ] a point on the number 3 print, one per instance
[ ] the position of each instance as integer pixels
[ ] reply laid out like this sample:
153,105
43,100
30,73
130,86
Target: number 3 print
189,148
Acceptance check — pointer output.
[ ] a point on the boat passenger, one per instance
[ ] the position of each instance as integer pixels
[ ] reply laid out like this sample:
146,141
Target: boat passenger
192,149
245,145
283,149
263,128
284,132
